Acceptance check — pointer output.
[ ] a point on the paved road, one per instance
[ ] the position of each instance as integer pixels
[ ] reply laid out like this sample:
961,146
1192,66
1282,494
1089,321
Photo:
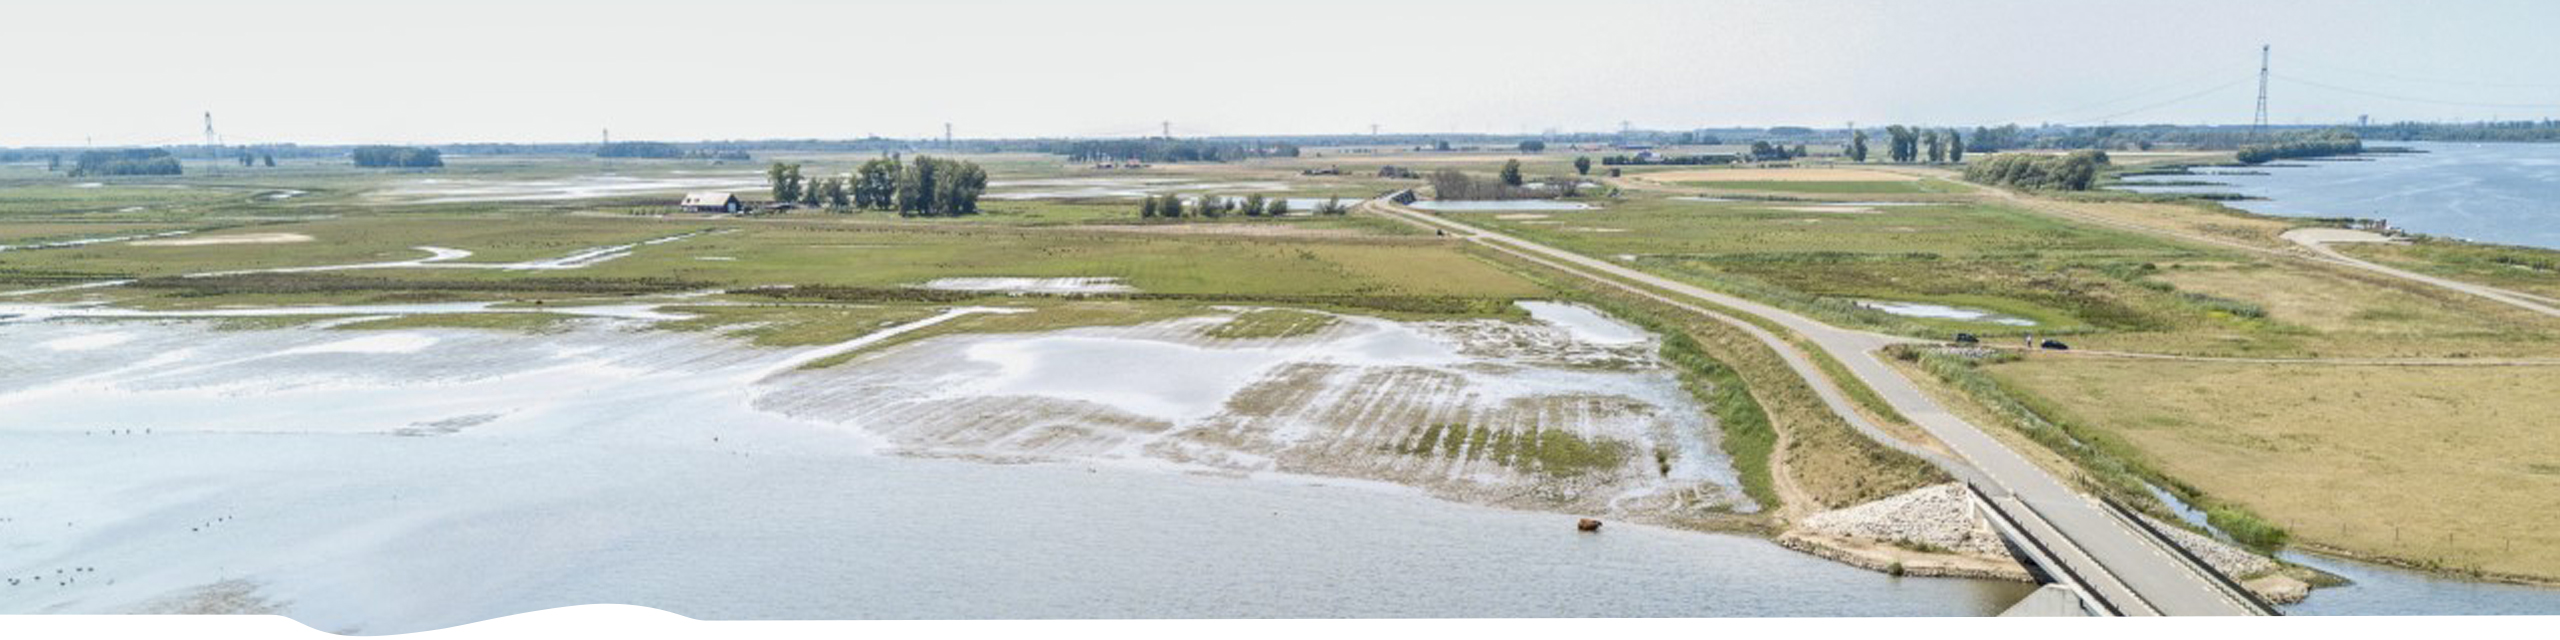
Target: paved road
2320,250
2124,566
2526,301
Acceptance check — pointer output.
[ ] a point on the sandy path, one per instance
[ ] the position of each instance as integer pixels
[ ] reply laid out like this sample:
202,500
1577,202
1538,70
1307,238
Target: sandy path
1777,175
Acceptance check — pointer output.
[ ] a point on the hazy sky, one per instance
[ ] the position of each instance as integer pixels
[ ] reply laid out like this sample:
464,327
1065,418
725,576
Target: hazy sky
536,70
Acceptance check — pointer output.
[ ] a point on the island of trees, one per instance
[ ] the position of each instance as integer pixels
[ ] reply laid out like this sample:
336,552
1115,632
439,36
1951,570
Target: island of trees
2332,143
1509,184
927,186
1213,206
126,162
391,156
2074,171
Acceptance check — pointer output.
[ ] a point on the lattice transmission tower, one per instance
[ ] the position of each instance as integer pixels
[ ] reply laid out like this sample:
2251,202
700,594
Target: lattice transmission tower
2258,126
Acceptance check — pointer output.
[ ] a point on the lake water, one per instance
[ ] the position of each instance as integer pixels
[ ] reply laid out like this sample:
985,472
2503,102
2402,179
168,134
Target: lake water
2506,193
386,482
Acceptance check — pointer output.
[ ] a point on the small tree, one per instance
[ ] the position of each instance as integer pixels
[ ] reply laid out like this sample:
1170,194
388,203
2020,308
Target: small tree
1147,207
1857,146
1955,146
1511,173
1533,146
1252,206
1275,207
1582,165
839,196
785,181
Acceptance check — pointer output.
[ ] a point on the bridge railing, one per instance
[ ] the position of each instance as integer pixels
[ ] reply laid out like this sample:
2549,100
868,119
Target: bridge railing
2048,560
2221,581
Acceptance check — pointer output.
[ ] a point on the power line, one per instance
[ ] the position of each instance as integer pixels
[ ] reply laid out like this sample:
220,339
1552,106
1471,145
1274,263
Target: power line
2386,96
2048,115
2172,101
2410,78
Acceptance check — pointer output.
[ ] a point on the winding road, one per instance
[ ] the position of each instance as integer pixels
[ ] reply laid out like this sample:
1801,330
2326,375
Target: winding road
2132,571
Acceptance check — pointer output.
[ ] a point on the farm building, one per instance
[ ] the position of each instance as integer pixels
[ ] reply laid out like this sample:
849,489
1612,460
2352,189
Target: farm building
712,202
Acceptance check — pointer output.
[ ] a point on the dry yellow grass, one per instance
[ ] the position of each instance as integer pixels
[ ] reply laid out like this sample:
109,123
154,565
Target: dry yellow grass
1778,175
2452,466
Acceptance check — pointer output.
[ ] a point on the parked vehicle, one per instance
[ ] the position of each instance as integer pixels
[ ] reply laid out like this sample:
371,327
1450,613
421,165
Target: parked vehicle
2056,345
1967,338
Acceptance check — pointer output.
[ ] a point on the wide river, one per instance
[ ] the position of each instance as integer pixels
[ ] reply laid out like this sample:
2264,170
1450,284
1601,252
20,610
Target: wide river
2506,193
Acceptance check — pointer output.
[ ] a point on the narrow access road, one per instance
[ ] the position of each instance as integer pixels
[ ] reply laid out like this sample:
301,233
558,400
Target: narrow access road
2521,300
2130,568
2320,251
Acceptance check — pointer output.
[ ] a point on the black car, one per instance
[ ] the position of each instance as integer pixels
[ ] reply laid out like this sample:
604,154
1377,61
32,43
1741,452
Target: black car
1967,338
2056,345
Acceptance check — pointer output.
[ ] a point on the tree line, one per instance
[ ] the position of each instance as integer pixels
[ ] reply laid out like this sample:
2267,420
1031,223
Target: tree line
2074,171
126,162
1214,206
1508,184
665,150
1910,144
1700,159
393,156
2499,131
2327,143
1166,150
927,186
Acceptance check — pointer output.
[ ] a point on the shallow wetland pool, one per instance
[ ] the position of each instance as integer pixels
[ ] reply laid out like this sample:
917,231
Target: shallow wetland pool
400,480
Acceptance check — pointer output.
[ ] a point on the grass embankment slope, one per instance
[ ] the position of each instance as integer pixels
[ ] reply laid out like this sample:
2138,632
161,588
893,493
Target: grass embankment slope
2123,423
2440,467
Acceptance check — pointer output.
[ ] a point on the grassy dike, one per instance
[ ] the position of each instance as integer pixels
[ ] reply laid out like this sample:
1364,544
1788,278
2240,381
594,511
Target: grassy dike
2107,463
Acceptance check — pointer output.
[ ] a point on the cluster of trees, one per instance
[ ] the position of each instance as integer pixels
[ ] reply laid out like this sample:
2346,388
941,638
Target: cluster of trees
1510,184
1762,151
1990,139
2331,143
125,162
927,186
250,160
1913,144
2074,171
1211,206
1533,146
1167,150
391,156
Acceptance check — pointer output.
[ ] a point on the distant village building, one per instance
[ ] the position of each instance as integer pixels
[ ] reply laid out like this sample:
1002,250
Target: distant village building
712,202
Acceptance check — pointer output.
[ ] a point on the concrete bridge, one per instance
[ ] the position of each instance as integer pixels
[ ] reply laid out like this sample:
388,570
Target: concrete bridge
2109,562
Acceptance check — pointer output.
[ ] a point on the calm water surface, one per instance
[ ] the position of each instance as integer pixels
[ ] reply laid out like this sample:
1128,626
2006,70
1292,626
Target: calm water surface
2507,193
